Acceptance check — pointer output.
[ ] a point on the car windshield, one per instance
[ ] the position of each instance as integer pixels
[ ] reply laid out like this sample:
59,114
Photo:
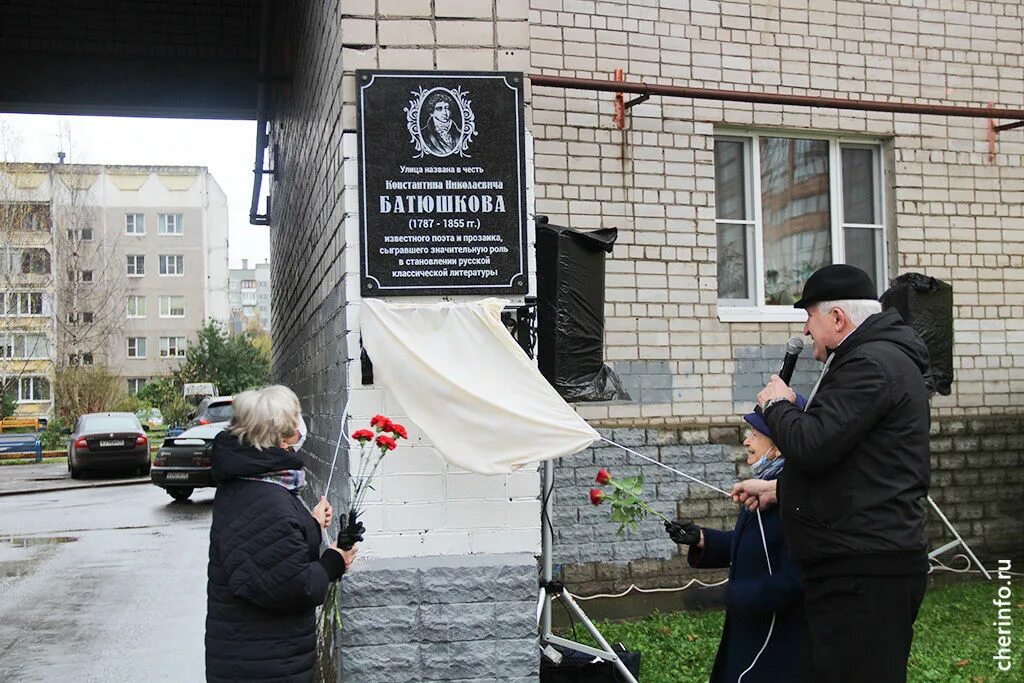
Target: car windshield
220,412
110,423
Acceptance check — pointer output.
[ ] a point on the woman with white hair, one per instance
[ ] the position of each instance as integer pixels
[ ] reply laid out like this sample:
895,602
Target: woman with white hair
268,570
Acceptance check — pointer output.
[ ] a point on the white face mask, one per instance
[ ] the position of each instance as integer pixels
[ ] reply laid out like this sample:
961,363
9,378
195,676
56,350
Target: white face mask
759,466
303,430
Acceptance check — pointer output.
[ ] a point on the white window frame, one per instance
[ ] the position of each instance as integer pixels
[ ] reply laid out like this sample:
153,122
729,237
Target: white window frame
179,224
165,260
135,385
128,308
747,310
137,355
132,261
29,380
137,223
22,305
167,344
9,342
167,299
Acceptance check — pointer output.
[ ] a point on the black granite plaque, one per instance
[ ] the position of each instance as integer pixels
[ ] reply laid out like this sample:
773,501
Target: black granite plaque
442,164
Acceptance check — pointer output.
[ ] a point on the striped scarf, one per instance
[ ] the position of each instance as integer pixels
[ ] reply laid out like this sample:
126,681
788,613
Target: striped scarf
293,480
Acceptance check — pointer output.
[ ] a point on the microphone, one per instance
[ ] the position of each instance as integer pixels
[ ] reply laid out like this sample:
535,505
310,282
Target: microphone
793,348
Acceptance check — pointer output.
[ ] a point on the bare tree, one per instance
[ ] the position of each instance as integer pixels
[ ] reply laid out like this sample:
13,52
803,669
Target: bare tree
90,282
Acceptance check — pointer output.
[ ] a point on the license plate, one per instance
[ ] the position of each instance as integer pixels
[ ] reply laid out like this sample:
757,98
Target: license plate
107,444
177,476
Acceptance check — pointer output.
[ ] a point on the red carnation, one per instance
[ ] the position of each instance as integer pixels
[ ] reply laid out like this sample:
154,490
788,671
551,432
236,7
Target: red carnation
383,424
398,430
386,443
597,496
603,476
362,436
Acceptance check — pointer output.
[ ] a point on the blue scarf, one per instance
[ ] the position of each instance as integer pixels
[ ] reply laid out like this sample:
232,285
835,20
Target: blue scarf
770,470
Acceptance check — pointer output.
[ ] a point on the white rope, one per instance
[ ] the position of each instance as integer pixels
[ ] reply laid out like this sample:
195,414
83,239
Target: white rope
937,565
670,469
342,434
638,589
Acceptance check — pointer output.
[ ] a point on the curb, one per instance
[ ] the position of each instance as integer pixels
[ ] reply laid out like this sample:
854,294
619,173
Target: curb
54,489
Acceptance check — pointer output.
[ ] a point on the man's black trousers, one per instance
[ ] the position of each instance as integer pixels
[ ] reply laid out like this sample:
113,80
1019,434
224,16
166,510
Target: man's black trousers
859,628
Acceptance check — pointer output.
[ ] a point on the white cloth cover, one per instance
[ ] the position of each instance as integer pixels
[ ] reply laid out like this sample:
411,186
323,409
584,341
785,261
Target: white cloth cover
458,374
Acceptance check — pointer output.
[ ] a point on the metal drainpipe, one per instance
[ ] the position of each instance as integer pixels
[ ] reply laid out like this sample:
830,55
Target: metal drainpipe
540,80
266,16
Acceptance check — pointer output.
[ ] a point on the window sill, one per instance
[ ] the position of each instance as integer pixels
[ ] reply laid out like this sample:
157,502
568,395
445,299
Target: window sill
767,314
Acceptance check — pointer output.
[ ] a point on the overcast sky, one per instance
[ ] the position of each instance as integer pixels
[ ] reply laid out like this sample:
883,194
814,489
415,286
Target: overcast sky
227,148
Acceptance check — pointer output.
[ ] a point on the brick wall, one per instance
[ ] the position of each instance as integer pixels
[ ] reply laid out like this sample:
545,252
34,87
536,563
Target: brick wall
461,610
953,214
977,473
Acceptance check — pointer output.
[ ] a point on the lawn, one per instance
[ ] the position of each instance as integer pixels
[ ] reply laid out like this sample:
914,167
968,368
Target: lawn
954,639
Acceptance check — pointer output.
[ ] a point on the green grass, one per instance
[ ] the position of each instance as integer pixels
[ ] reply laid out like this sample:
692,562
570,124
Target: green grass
953,643
30,461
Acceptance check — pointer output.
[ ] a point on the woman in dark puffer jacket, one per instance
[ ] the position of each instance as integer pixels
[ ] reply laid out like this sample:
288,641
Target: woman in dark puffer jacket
269,565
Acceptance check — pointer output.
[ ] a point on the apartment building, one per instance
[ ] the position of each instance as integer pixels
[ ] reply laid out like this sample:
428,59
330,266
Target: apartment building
249,295
27,331
133,258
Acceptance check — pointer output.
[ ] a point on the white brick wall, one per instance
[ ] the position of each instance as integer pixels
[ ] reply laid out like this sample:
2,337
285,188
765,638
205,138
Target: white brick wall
421,505
954,215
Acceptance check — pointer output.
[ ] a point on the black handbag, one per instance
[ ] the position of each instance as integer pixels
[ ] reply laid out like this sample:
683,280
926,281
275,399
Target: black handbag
577,667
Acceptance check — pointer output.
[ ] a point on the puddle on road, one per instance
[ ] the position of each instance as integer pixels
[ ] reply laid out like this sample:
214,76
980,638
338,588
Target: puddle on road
29,541
20,554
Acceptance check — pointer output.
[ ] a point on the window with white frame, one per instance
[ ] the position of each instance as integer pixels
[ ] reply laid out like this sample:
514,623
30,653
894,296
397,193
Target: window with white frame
171,224
136,265
172,307
33,389
172,264
24,347
788,205
135,384
134,224
136,347
136,307
21,304
172,347
82,317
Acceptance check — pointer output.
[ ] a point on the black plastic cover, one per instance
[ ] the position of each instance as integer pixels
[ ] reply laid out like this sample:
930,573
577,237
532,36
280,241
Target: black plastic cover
570,312
926,304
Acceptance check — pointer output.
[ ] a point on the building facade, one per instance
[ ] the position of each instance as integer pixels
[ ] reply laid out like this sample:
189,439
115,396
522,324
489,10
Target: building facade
723,209
249,296
137,261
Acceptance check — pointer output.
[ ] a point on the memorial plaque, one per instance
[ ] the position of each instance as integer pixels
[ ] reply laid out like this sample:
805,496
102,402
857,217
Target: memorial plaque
442,167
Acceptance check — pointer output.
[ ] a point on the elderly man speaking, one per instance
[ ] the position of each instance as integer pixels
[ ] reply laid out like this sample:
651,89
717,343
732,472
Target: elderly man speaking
853,492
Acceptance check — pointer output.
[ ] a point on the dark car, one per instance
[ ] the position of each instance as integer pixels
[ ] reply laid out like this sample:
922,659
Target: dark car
183,462
110,442
211,410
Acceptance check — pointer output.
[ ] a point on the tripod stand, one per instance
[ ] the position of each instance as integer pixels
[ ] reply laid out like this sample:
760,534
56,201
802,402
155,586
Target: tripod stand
550,591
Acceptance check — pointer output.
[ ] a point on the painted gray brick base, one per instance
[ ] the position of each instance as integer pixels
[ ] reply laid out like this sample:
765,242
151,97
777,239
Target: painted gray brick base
464,618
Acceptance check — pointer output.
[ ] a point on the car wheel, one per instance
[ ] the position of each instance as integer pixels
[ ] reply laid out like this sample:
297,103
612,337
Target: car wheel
180,494
76,472
144,470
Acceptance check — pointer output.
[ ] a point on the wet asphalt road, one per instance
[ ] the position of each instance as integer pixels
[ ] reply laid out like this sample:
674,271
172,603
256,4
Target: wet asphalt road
103,584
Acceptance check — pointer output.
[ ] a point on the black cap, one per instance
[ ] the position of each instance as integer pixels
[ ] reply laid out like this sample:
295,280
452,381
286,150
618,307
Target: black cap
835,283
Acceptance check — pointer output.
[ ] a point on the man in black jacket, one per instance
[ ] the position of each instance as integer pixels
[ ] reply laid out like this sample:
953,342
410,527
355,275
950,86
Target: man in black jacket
853,492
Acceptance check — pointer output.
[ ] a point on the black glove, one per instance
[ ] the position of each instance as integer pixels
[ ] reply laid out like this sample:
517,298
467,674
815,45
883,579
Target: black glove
683,532
351,534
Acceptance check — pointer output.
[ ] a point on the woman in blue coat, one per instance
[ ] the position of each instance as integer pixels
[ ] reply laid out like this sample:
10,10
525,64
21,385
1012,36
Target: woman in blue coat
762,641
